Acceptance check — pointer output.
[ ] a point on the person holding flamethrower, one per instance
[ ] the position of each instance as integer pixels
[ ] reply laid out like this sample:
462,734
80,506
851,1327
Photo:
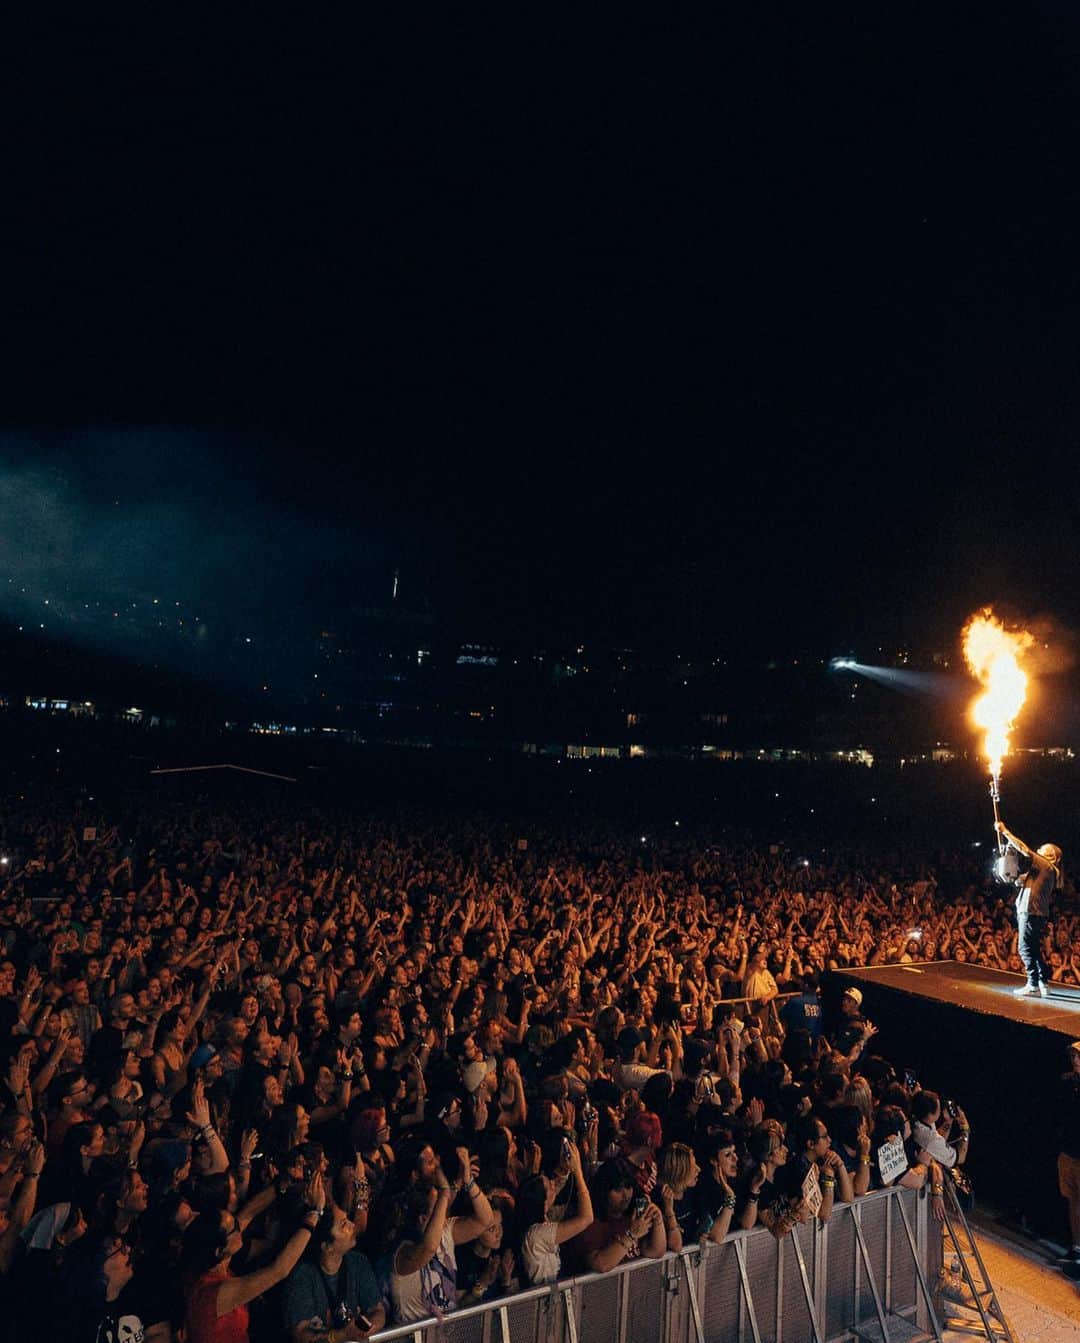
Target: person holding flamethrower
1035,888
994,654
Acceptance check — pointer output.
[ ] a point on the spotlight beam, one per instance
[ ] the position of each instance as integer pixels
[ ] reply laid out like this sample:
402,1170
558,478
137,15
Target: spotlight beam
907,682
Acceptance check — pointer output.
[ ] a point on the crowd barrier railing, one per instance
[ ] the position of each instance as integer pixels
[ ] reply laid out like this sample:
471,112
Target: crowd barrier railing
871,1271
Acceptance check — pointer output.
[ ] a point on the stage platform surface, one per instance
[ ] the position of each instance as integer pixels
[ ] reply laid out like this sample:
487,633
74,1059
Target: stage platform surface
979,989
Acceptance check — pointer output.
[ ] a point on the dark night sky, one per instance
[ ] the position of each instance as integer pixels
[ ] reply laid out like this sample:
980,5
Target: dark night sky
538,313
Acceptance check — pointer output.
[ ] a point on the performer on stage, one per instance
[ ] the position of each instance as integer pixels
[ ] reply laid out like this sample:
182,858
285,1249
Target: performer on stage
1036,887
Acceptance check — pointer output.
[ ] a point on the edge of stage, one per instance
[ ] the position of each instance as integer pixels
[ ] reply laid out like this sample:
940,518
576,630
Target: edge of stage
967,1037
977,988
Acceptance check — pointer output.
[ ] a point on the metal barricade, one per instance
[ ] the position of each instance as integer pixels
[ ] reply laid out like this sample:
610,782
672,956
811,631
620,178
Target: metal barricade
869,1272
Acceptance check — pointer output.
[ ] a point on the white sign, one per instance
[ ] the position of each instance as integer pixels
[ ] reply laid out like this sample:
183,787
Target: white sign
892,1161
811,1191
89,833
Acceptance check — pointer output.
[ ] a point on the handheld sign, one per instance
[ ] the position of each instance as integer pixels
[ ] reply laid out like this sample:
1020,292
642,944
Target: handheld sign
892,1161
811,1191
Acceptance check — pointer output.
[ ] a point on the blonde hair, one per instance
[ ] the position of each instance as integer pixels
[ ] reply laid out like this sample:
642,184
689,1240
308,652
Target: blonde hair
857,1093
674,1165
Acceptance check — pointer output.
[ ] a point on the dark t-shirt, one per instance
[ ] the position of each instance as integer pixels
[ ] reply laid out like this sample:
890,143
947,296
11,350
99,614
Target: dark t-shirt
685,1210
709,1198
309,1292
850,1159
106,1051
766,1195
124,1320
848,1034
469,1268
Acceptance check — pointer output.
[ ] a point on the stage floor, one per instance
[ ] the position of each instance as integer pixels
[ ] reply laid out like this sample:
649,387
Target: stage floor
979,989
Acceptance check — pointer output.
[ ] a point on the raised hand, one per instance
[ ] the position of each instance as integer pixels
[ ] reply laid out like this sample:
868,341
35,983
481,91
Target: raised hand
34,1161
315,1192
199,1114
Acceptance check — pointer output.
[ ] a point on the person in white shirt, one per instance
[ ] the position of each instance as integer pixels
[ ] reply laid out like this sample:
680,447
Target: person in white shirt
540,1239
424,1268
634,1067
759,985
932,1130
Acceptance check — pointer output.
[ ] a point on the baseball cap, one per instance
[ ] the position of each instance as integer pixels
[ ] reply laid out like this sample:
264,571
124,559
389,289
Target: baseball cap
473,1075
203,1055
855,994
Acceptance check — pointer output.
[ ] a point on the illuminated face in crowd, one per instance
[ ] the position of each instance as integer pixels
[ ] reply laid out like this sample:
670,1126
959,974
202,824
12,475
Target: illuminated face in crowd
117,1266
727,1162
492,1234
427,1163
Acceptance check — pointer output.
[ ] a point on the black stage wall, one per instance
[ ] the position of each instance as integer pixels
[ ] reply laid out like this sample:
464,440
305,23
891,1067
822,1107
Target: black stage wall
967,1037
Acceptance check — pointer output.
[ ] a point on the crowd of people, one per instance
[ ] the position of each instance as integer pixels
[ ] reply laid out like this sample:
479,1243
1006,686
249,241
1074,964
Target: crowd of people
280,1076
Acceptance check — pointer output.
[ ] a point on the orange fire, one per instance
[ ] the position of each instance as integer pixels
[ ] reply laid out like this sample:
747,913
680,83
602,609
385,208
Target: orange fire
994,654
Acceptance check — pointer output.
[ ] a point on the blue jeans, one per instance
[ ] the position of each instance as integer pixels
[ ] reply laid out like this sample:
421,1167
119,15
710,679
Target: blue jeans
1031,928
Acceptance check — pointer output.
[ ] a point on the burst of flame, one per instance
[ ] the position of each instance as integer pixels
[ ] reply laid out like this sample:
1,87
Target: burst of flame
993,654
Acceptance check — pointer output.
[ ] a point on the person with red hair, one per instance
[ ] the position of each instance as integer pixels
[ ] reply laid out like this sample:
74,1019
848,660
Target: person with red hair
642,1139
370,1135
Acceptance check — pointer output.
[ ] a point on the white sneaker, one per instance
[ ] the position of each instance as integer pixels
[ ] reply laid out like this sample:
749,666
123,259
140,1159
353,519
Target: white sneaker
1043,991
1028,991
